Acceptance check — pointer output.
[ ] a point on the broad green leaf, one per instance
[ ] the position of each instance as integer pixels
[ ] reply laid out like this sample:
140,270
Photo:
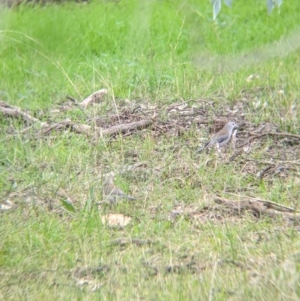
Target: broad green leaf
216,8
228,2
67,205
270,6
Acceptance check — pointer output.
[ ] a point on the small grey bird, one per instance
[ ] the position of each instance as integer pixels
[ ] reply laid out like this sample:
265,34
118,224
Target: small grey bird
112,193
222,137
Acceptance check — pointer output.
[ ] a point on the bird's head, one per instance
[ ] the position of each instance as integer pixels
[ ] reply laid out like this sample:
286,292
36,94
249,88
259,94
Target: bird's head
231,126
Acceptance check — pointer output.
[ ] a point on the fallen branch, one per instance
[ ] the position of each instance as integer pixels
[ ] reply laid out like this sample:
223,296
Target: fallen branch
66,124
275,134
294,162
123,128
271,169
88,130
257,136
16,112
260,207
127,241
96,97
268,203
235,155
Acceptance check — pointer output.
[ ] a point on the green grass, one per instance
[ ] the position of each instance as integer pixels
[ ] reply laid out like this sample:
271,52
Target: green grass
144,51
157,53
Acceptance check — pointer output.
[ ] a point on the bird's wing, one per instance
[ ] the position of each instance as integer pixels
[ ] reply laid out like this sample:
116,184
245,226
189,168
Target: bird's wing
130,197
222,139
118,192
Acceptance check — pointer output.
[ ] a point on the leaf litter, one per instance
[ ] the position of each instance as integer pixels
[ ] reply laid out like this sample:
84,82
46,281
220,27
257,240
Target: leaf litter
281,151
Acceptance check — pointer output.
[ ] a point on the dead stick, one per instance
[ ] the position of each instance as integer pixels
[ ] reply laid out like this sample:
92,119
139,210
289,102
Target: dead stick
67,124
93,98
275,134
297,162
267,203
13,111
123,128
256,136
87,129
235,155
257,207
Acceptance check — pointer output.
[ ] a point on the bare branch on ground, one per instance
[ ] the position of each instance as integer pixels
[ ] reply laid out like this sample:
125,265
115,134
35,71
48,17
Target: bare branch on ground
260,207
95,97
16,112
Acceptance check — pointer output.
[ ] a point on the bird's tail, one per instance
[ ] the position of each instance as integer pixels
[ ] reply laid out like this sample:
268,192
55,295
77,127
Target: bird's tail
130,197
200,149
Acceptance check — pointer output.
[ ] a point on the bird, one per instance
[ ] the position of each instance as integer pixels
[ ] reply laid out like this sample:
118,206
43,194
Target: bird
112,193
222,137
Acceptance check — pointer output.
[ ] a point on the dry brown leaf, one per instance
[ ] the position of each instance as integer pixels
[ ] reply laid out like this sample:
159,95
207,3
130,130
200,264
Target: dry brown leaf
7,205
115,220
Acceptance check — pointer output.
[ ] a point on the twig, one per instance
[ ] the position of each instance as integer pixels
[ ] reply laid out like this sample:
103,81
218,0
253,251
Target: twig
260,207
274,134
265,170
235,155
296,162
123,128
257,136
126,241
66,124
87,129
93,98
268,203
72,99
13,111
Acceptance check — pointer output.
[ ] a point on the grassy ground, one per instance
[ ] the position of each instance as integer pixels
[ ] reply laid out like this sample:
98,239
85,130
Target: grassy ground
150,53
